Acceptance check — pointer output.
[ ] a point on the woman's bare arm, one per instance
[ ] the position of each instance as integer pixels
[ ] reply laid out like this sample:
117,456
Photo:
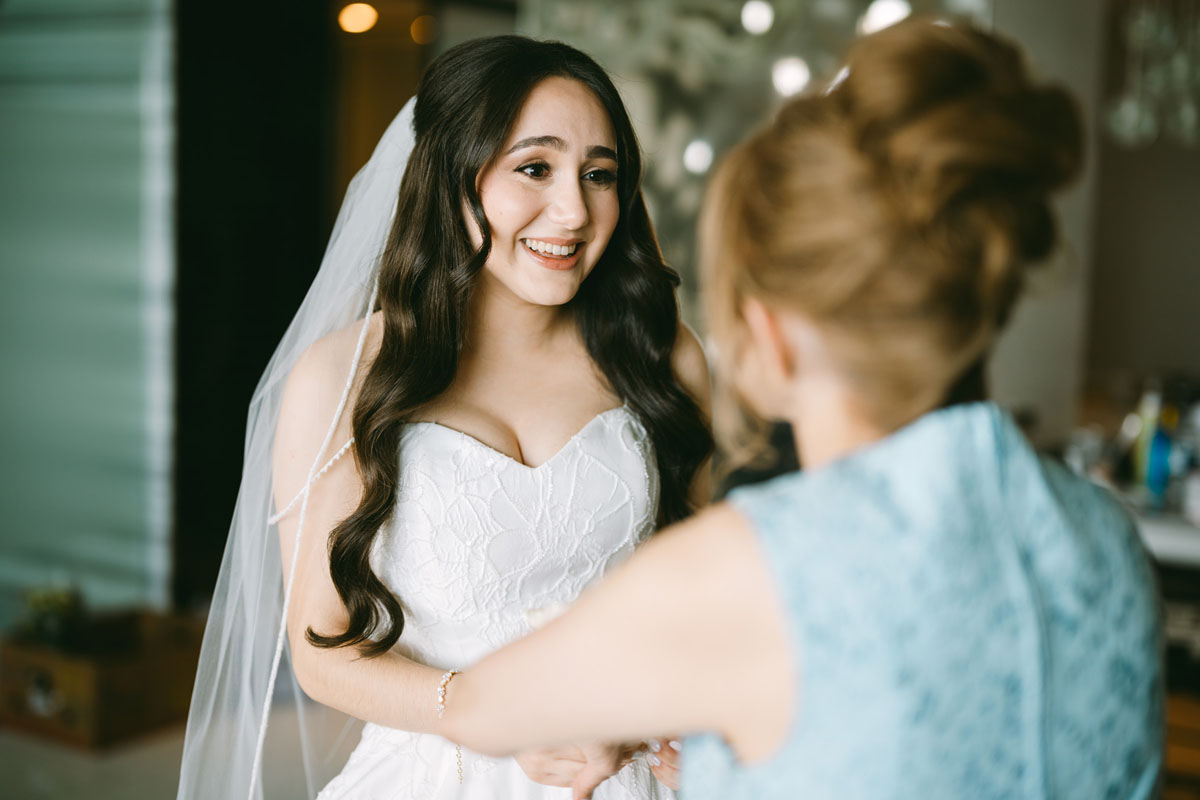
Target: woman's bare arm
687,636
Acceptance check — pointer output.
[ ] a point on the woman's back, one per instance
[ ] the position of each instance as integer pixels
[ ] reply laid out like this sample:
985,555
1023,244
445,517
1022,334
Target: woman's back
968,619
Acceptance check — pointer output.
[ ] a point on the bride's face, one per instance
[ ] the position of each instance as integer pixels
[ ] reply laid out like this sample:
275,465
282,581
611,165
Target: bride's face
550,197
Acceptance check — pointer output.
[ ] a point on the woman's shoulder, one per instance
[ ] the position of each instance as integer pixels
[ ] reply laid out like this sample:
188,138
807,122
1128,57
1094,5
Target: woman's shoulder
717,597
714,569
702,571
1099,529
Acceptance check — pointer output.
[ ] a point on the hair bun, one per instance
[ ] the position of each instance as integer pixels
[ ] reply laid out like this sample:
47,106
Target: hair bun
969,145
897,210
946,108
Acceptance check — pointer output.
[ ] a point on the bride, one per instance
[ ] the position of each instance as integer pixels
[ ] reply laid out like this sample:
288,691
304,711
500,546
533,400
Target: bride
516,409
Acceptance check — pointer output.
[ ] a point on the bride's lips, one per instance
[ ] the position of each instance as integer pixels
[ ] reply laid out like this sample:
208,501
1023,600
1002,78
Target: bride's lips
549,261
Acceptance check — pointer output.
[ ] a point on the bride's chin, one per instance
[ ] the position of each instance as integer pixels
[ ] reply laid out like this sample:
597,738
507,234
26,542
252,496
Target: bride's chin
549,289
551,295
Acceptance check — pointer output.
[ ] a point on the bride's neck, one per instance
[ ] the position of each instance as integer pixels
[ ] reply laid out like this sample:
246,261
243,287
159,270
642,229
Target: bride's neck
500,323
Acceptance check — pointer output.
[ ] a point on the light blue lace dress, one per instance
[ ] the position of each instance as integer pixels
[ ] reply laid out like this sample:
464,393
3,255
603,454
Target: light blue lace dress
969,619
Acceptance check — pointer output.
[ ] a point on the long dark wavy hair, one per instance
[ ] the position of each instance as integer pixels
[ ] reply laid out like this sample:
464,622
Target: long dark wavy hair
626,309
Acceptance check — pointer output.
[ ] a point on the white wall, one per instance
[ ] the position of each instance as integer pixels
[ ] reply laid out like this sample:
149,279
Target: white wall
1039,362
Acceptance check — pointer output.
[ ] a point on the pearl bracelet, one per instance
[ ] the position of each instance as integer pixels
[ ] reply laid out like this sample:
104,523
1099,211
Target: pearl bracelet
448,676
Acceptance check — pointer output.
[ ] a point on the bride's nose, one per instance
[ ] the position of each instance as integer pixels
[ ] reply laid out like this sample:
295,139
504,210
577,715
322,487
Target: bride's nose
568,206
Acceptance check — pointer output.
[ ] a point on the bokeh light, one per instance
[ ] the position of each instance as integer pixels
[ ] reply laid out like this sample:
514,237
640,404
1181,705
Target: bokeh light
758,16
790,75
358,18
424,29
697,157
882,14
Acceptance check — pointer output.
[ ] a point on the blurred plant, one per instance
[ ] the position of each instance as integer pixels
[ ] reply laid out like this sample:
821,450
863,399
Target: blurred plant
54,613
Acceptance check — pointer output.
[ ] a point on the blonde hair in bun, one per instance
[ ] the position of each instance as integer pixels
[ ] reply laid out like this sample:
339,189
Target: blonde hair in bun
898,211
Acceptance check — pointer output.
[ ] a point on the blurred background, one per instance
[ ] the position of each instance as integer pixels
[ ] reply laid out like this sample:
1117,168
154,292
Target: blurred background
169,174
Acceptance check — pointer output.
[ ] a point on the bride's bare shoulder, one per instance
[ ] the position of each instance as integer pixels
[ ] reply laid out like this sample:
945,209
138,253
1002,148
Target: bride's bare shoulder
315,384
327,361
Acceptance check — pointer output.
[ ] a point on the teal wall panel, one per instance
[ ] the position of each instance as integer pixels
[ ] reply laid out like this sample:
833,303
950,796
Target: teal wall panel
85,277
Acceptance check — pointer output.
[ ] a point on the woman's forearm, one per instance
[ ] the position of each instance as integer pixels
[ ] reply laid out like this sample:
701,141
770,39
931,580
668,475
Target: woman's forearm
635,658
595,673
474,719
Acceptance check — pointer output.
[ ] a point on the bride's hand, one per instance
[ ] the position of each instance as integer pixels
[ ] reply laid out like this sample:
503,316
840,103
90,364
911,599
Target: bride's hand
664,760
604,759
552,766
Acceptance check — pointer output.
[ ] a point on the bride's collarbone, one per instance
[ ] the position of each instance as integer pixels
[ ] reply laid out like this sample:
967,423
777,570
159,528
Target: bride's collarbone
523,407
528,429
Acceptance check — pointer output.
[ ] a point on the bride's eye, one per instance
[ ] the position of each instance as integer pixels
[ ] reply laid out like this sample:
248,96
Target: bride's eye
535,170
600,177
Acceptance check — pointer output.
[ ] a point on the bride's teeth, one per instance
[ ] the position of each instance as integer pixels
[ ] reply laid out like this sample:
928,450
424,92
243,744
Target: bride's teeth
551,249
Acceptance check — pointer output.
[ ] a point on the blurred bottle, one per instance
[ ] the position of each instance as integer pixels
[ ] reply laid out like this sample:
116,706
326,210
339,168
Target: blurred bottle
1149,409
1159,461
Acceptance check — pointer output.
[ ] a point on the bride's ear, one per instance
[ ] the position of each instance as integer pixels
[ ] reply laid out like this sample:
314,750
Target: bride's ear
472,226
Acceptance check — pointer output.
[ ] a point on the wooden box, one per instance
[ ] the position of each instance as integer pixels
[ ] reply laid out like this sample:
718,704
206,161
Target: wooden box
124,675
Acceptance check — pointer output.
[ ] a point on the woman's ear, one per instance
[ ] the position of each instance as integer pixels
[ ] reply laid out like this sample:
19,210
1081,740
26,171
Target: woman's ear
767,337
766,361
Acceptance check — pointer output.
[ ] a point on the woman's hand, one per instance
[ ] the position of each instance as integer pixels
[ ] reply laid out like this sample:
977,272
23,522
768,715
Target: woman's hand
664,760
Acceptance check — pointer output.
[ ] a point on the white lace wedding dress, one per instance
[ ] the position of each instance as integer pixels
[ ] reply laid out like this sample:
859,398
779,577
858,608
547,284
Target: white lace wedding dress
479,548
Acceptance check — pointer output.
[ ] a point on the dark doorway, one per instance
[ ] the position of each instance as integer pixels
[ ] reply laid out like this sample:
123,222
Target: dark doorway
255,86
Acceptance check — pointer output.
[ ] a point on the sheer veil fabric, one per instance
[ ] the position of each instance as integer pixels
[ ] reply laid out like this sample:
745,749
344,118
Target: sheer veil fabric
244,663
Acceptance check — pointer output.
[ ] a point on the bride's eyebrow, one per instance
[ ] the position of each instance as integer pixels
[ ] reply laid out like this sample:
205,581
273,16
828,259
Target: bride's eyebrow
556,143
600,151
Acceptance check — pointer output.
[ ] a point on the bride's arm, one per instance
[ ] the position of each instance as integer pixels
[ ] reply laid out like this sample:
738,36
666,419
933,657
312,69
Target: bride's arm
686,636
390,689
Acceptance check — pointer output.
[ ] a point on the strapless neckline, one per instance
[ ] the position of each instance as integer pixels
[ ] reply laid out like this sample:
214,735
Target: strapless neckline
505,457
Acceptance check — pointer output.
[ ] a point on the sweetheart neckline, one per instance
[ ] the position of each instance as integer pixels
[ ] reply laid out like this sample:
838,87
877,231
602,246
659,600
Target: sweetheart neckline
505,456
